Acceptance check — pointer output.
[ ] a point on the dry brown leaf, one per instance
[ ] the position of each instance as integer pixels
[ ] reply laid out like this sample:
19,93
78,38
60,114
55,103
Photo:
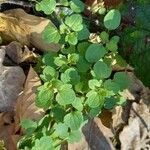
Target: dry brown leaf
7,129
136,135
18,54
96,137
106,118
17,25
26,108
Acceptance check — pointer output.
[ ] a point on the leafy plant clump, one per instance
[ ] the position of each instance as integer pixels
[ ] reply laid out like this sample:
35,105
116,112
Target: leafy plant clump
78,81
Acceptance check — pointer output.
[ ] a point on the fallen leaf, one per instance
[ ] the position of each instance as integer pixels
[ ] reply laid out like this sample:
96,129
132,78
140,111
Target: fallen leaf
106,118
6,130
96,137
17,25
11,83
26,108
137,134
18,54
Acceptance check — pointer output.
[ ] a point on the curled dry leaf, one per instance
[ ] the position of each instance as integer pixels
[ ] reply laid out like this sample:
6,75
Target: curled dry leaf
17,25
136,135
11,84
26,108
18,54
6,130
96,137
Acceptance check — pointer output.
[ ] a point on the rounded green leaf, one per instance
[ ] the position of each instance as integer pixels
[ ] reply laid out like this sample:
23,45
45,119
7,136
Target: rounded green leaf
58,113
61,130
93,83
112,86
77,6
95,112
104,36
93,99
122,80
112,46
65,96
51,35
94,53
102,11
110,103
47,6
70,76
74,136
82,47
28,125
77,103
60,61
72,38
74,120
84,33
112,19
48,59
44,143
49,71
115,39
74,22
83,65
101,70
73,58
44,97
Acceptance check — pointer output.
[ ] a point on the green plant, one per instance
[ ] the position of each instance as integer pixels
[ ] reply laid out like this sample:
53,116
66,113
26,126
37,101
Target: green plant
135,38
78,81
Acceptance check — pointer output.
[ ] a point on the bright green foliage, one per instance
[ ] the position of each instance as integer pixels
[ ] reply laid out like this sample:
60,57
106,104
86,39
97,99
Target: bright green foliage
47,6
70,76
112,19
94,53
104,37
44,96
72,38
112,46
51,35
74,22
84,33
61,130
122,80
74,120
111,85
93,99
29,125
101,70
93,83
77,6
78,103
74,136
44,142
102,11
78,82
110,103
65,96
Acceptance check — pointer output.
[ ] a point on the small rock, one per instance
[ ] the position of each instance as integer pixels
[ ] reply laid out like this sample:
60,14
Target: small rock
11,84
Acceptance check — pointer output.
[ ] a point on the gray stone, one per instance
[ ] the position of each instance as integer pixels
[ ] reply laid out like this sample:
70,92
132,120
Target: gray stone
11,83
